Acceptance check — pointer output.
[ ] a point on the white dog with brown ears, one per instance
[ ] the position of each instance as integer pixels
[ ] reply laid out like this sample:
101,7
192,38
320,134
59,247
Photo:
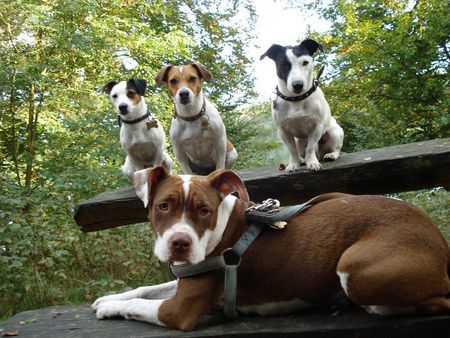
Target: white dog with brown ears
300,110
198,135
141,134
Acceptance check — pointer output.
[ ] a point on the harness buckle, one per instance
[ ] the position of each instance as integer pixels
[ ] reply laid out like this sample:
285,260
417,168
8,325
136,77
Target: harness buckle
230,257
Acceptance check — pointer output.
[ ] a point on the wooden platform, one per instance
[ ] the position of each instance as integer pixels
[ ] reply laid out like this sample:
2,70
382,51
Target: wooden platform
399,168
80,321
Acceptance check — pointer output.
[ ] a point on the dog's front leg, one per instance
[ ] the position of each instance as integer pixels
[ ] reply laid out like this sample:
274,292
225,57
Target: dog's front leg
181,156
312,163
289,141
221,152
137,309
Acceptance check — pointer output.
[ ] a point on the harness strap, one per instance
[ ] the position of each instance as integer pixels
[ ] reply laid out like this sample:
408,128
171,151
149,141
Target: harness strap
231,257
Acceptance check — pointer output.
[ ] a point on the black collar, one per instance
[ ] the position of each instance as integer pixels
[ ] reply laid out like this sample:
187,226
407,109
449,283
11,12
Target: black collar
190,118
299,97
304,95
139,119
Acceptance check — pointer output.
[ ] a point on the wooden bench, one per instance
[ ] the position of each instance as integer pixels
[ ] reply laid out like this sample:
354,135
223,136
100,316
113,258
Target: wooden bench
399,168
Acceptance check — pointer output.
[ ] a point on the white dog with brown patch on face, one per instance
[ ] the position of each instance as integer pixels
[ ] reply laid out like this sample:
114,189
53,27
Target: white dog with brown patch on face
141,134
197,132
300,110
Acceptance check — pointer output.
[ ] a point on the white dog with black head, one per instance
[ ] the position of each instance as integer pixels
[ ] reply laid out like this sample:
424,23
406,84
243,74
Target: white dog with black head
300,110
141,134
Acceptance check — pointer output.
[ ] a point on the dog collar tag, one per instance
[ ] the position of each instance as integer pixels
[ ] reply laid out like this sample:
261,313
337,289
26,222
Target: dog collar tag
205,125
152,124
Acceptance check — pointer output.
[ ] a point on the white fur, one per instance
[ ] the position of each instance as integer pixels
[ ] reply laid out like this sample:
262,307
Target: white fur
274,308
386,310
144,147
205,148
305,120
343,276
160,291
134,309
186,182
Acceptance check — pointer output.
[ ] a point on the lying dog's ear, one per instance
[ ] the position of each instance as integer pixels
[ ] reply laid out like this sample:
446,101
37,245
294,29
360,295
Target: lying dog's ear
311,46
203,72
107,88
147,179
227,182
272,52
138,84
162,75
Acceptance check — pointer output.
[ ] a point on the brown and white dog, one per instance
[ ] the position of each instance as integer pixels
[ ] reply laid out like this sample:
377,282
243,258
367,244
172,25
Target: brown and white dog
385,254
197,132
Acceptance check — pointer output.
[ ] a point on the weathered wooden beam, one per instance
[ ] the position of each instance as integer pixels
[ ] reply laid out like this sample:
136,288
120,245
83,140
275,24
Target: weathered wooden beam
80,321
399,168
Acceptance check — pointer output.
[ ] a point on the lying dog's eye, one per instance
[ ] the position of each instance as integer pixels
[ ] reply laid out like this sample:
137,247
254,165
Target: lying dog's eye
192,79
114,96
204,211
305,63
164,206
131,94
173,81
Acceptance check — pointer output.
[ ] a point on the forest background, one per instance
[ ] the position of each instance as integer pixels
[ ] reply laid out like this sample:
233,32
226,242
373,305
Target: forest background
387,82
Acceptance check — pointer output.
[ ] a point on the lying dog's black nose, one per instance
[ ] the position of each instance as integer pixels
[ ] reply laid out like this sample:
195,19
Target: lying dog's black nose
123,107
184,95
298,86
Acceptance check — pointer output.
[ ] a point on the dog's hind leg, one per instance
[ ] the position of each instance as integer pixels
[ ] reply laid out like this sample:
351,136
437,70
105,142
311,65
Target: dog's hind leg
385,280
331,142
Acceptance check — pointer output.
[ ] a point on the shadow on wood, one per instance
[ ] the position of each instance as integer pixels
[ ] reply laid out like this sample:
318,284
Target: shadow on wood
80,321
399,168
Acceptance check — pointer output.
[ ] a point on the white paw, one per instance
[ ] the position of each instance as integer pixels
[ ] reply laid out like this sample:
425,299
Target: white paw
331,156
293,167
104,299
109,309
314,165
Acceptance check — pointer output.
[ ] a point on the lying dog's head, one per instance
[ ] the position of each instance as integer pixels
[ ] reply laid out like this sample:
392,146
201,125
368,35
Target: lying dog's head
188,213
184,82
126,96
294,64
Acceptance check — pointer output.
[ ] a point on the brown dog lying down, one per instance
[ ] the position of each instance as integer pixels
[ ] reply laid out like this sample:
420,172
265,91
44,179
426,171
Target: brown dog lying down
386,254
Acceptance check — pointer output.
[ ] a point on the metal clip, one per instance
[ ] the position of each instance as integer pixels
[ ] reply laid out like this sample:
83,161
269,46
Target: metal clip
268,205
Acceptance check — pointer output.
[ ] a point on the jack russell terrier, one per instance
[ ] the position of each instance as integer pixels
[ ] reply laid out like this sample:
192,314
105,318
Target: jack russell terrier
141,134
385,254
197,132
300,110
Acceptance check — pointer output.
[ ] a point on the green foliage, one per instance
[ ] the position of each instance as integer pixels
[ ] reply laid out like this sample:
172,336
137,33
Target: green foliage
390,81
59,140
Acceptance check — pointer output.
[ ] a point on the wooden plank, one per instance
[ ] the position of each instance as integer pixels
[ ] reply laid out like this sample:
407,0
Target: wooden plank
399,168
80,321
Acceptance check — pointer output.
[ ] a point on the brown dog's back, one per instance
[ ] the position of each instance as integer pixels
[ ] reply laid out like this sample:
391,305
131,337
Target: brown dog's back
358,233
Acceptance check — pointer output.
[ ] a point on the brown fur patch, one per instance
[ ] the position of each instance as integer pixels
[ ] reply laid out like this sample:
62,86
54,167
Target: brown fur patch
184,76
230,147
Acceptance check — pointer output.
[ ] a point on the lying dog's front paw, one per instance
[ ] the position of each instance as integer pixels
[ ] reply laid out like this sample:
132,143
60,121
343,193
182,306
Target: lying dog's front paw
293,167
104,299
315,165
105,310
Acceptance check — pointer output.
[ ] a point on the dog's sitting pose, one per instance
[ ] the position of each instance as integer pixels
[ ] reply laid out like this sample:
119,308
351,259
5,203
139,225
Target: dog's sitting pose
300,110
141,134
197,132
385,254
